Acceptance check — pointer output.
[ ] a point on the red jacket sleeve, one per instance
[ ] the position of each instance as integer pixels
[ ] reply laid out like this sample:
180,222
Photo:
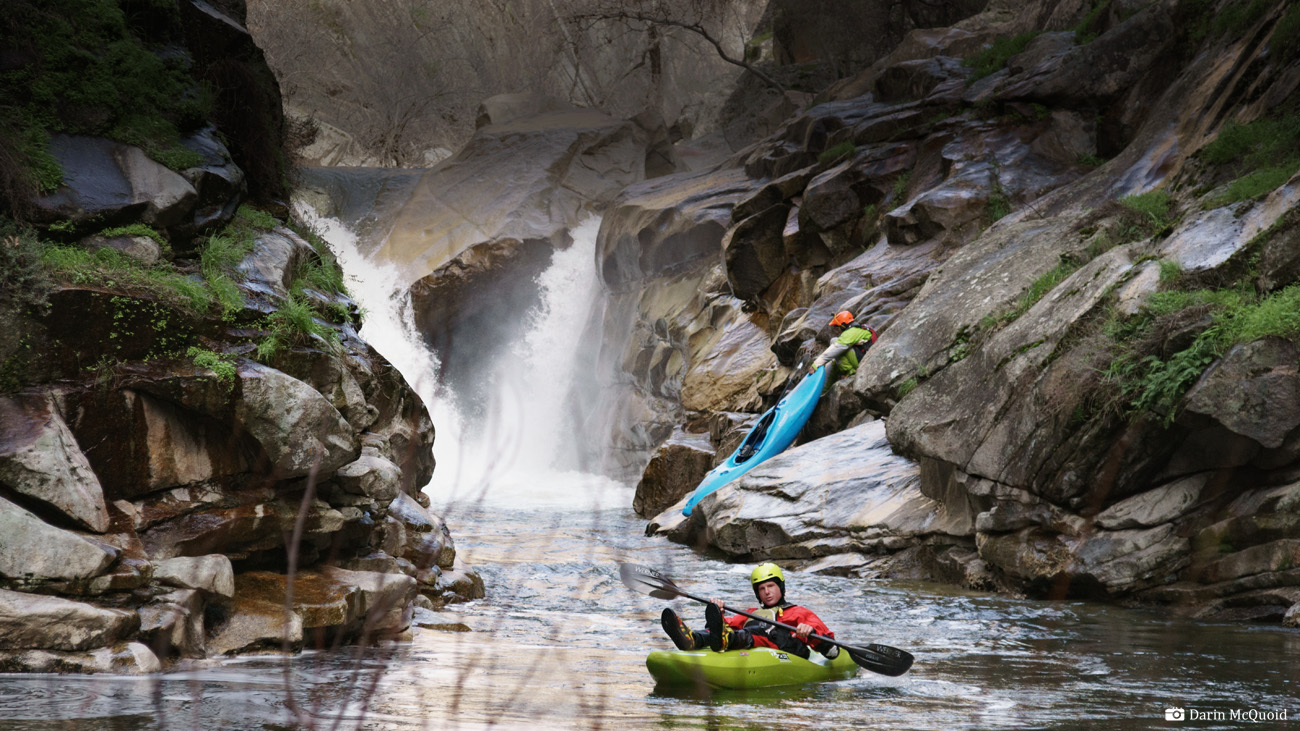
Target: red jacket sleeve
793,616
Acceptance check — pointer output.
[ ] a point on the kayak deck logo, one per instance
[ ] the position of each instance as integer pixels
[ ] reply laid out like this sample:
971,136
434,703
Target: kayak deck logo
1252,715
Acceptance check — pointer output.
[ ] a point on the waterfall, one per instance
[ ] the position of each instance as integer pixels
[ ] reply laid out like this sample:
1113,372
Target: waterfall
526,444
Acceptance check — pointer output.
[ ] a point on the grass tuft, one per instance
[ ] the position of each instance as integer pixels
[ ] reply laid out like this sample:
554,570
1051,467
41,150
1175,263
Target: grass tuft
994,58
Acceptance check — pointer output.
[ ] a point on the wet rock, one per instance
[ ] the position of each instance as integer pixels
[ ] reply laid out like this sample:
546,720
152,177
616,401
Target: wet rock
273,263
33,550
1254,390
295,425
1124,561
461,583
107,180
675,470
725,375
247,624
218,181
211,574
754,250
33,621
40,459
793,505
172,624
1276,555
386,599
129,658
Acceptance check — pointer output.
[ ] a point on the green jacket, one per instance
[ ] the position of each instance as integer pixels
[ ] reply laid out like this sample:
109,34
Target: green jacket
847,350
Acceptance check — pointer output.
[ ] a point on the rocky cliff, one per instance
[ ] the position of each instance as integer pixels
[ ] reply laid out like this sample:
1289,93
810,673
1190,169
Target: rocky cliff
198,454
1073,225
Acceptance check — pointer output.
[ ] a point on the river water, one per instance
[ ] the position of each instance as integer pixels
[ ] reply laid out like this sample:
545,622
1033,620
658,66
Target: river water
560,643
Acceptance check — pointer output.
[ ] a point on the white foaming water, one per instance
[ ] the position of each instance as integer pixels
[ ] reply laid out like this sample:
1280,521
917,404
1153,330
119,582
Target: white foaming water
523,455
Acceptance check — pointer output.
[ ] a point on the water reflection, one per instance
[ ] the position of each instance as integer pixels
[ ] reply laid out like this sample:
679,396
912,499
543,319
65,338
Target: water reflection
559,643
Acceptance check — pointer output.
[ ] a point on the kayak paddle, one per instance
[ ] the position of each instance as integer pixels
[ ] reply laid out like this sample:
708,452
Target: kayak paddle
881,659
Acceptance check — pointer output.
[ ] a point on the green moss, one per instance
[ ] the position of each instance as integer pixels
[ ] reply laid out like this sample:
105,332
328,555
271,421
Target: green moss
137,229
86,70
994,58
1155,209
1235,17
221,364
1254,185
1169,271
907,387
1263,154
834,153
1088,29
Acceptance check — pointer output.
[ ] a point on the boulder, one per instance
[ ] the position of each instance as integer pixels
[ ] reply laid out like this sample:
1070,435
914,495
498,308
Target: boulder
374,477
273,263
40,459
676,469
140,248
296,426
1253,390
218,181
33,550
172,624
106,181
126,658
385,599
810,501
754,250
38,622
724,377
211,574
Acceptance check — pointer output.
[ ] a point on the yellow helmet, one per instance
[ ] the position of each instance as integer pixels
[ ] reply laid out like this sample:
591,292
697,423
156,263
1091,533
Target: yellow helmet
766,572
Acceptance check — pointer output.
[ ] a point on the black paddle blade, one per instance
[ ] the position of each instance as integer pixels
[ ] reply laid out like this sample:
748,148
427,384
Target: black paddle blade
647,581
881,659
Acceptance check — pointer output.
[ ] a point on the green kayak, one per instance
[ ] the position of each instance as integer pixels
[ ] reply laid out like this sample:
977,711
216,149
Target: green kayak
739,669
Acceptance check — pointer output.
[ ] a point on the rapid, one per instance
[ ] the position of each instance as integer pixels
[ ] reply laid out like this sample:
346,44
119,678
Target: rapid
560,643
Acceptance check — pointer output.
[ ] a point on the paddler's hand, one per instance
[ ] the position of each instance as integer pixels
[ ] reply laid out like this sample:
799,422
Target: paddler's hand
803,630
719,603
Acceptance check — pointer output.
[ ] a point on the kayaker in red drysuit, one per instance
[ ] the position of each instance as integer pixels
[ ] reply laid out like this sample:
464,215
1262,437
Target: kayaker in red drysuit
741,633
848,348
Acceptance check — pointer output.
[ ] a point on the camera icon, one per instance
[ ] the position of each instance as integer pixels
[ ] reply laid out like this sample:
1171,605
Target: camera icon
1175,714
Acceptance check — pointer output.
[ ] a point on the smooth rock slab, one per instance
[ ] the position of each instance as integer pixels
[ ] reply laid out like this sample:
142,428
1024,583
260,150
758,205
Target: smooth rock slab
374,477
1153,507
32,549
40,458
812,492
38,622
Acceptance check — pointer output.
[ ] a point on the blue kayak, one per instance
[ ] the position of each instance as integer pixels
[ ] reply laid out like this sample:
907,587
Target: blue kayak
773,432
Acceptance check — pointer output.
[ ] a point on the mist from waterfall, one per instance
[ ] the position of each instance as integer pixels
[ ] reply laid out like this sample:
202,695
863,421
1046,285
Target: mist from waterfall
525,446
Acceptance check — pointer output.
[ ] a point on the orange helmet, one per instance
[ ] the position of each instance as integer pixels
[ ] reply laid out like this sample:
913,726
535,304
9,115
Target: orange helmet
842,319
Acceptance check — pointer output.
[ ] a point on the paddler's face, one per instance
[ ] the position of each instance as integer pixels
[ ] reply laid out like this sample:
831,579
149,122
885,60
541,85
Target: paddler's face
769,593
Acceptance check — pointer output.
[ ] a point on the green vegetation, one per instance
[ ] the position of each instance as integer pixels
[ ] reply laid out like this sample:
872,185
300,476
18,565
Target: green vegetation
907,387
994,58
1261,155
1285,42
1235,17
22,275
85,69
222,364
831,154
1155,216
294,322
999,203
1089,160
137,229
1087,29
1152,384
1169,271
900,186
